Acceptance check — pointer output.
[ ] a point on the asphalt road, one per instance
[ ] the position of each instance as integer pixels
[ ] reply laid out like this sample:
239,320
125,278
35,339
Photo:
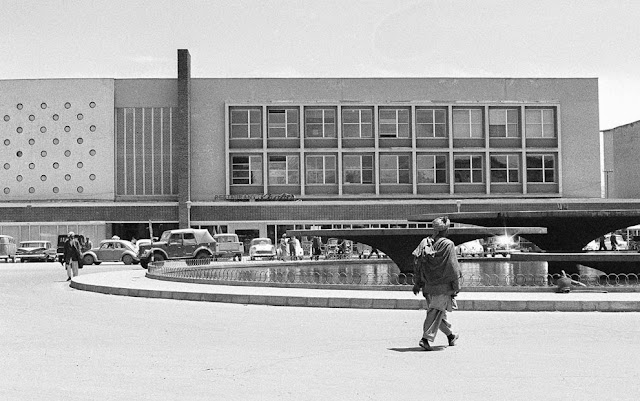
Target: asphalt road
57,343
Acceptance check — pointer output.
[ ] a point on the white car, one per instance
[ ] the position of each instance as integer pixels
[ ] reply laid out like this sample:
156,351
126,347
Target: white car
262,248
471,248
595,244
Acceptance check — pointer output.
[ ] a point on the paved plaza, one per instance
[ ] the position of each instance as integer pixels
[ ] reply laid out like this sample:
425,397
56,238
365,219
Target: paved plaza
59,343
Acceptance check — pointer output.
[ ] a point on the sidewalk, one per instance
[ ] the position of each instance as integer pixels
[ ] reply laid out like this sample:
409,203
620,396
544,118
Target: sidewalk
134,283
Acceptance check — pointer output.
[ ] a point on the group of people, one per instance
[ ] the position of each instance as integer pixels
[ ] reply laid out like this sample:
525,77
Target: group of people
72,255
289,246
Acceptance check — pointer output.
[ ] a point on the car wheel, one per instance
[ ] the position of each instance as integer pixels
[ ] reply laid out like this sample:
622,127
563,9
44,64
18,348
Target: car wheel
87,260
144,263
127,259
253,258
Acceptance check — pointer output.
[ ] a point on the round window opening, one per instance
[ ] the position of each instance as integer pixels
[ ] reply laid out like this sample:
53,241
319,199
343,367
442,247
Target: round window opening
56,141
32,117
32,141
19,153
19,130
43,178
92,177
56,117
92,104
7,166
56,190
80,141
67,153
43,153
67,105
7,190
56,165
92,128
43,129
32,190
67,177
7,142
80,189
32,166
80,116
80,165
19,106
19,178
92,152
6,117
43,106
67,129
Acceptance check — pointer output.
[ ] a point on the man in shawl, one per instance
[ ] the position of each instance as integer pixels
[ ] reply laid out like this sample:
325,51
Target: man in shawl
437,274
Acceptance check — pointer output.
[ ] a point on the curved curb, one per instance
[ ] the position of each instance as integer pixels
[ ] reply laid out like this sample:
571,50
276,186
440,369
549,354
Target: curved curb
321,300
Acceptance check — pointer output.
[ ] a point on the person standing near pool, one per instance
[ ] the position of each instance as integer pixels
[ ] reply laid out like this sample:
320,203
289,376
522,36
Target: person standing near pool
437,275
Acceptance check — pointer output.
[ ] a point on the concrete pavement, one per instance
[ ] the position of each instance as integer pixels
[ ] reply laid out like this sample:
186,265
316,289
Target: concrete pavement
134,283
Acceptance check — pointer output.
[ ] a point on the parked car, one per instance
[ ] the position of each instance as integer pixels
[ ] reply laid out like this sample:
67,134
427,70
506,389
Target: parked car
262,248
36,251
7,248
112,250
470,248
185,243
228,246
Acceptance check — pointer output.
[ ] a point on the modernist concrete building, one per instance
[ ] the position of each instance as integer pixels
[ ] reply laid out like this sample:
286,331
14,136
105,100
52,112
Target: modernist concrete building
259,156
621,164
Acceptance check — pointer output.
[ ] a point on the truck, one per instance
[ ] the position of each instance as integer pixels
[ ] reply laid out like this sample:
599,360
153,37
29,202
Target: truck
197,246
228,246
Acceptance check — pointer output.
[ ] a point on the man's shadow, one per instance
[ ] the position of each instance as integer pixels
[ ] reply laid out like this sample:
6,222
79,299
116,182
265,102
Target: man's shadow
419,349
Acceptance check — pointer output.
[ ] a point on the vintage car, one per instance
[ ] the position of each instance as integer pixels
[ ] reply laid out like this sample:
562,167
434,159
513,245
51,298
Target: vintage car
111,250
262,248
228,246
7,248
36,251
61,240
186,243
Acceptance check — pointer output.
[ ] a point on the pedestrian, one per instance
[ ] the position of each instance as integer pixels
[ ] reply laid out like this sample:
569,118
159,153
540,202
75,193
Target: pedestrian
316,247
373,250
437,275
72,255
282,247
292,248
603,246
614,242
88,243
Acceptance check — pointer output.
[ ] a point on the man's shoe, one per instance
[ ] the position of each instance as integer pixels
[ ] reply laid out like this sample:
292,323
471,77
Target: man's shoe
69,279
425,344
452,339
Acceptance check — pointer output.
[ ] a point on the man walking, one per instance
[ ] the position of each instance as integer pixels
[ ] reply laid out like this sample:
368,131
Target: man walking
437,274
72,255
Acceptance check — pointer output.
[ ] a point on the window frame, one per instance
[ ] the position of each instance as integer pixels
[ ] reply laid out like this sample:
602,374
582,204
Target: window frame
258,177
542,170
469,123
323,124
249,124
287,125
401,175
509,127
360,169
324,170
396,123
433,170
291,174
542,124
493,171
470,170
360,124
434,124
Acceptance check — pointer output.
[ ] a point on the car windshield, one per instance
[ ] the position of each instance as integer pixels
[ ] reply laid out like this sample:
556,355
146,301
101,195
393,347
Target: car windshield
261,241
33,244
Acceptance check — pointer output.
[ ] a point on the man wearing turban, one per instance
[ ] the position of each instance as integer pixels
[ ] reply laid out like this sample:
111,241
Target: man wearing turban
437,274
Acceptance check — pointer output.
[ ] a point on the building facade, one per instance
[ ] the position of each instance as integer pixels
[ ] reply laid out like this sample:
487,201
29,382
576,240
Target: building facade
621,167
259,156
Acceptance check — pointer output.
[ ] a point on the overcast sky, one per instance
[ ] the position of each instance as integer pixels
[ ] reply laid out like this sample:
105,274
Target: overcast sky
336,38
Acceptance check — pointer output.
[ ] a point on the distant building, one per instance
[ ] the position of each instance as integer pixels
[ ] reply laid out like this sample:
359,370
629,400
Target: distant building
256,156
621,165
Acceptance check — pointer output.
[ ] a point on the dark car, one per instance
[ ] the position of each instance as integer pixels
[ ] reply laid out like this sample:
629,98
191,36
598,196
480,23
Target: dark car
185,243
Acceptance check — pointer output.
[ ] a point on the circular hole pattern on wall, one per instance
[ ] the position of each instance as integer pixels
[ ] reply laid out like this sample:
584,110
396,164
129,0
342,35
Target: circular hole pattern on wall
92,152
92,128
7,142
80,189
56,165
43,177
19,130
67,153
67,177
56,190
32,190
92,104
67,129
80,140
67,105
6,117
43,106
56,141
19,153
7,166
80,116
43,129
19,178
32,166
92,177
19,106
56,117
6,191
80,165
43,153
32,141
32,117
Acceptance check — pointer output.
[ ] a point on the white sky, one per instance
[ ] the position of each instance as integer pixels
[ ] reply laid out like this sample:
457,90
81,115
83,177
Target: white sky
332,38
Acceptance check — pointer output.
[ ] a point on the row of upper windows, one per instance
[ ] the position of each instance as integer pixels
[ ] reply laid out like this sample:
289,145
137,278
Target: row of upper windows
393,169
393,122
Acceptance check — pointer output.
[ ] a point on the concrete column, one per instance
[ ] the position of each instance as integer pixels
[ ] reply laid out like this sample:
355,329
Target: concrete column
182,148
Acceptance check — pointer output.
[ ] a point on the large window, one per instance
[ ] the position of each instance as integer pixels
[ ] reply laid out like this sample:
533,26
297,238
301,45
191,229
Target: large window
395,169
503,123
319,123
358,169
467,123
246,123
468,169
432,169
246,170
283,123
357,123
393,123
320,169
284,170
541,168
505,168
540,123
431,123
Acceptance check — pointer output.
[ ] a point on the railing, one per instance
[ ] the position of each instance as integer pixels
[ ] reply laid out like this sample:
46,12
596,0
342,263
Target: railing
203,272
